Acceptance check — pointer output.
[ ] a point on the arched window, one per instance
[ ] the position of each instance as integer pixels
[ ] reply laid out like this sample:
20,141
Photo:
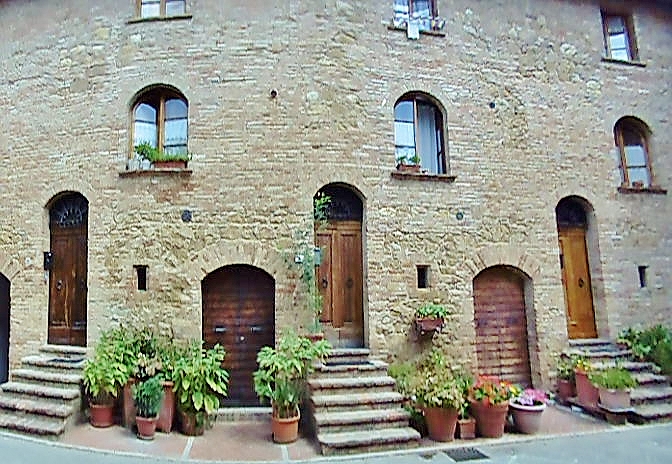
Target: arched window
418,133
160,119
632,136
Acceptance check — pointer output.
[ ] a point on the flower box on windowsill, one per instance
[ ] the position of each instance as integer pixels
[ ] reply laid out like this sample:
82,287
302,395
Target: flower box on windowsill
403,167
423,176
172,164
170,172
642,189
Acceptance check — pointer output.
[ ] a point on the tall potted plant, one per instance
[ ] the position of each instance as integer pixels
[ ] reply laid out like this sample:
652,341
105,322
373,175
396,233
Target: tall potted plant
586,392
147,396
103,377
566,379
280,379
614,386
200,381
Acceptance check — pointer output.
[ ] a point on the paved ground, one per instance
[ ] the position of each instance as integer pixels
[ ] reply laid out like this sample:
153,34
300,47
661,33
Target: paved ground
566,437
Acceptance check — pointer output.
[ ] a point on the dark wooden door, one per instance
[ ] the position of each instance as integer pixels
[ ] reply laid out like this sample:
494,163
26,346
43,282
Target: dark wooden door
68,276
576,282
339,278
239,314
501,325
4,329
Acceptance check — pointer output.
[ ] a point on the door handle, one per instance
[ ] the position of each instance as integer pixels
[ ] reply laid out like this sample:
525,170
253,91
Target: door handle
219,329
325,282
581,282
59,285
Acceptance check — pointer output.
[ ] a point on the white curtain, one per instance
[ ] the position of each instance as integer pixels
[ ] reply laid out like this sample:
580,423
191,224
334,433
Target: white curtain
427,137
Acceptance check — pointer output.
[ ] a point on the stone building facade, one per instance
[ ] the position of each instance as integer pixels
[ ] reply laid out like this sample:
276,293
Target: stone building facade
524,103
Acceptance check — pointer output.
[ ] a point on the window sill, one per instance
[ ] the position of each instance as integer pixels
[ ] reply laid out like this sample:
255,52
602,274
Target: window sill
653,189
639,64
158,18
422,176
175,172
437,33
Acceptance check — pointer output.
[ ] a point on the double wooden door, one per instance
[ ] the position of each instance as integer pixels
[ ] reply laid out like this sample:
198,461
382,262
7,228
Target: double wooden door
68,275
238,313
501,325
576,282
339,278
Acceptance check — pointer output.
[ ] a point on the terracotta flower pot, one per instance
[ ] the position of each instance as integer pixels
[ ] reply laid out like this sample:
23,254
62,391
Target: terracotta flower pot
167,413
466,428
189,425
566,390
128,405
441,423
490,419
614,399
170,164
587,393
527,419
285,430
101,415
146,427
428,324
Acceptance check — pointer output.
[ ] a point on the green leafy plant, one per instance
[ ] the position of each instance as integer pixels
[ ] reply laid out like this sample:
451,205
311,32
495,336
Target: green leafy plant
432,310
200,380
103,376
282,371
492,390
147,396
565,368
415,159
653,344
435,383
613,378
582,364
149,152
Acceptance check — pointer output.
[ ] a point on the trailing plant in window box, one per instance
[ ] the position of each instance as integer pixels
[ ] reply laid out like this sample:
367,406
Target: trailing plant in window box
430,317
146,151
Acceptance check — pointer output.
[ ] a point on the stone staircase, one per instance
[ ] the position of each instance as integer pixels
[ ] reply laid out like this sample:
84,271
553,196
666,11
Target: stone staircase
652,399
43,397
355,407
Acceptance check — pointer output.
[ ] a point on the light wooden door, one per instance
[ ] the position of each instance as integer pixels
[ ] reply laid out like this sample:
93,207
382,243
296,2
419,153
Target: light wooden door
576,282
68,276
501,326
339,279
239,314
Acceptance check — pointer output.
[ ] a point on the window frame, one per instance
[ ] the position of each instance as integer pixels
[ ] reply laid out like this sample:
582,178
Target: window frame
156,97
401,22
162,10
638,127
628,31
439,116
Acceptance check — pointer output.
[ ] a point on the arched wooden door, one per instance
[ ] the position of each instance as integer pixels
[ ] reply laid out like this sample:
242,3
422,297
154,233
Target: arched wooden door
239,314
68,285
501,325
4,329
576,281
340,275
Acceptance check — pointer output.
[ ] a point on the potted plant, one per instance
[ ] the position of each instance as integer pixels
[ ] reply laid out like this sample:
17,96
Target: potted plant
466,424
586,392
280,379
566,379
147,396
489,399
439,394
430,317
103,376
199,382
408,164
161,159
614,386
527,408
168,354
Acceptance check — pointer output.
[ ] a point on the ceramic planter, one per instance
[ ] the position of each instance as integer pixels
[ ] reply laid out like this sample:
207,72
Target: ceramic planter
169,164
441,423
146,427
466,428
587,393
128,405
566,390
101,415
614,399
167,412
285,430
490,418
189,425
428,324
402,167
527,419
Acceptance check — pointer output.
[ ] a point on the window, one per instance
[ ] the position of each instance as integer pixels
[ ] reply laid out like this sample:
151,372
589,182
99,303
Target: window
422,11
423,276
619,37
418,130
631,137
161,8
160,119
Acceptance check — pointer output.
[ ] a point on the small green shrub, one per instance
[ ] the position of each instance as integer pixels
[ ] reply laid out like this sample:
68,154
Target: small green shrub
147,396
613,378
433,310
147,151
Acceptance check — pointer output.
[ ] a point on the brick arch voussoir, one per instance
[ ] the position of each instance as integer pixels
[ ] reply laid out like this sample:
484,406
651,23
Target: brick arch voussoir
221,254
9,267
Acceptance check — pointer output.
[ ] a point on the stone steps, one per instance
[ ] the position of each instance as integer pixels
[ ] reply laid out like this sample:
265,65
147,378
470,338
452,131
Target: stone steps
44,396
651,412
651,395
369,441
354,406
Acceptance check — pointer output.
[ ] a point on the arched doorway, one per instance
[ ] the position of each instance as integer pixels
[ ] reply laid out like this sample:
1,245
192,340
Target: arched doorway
239,314
501,324
572,222
68,226
340,275
4,329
